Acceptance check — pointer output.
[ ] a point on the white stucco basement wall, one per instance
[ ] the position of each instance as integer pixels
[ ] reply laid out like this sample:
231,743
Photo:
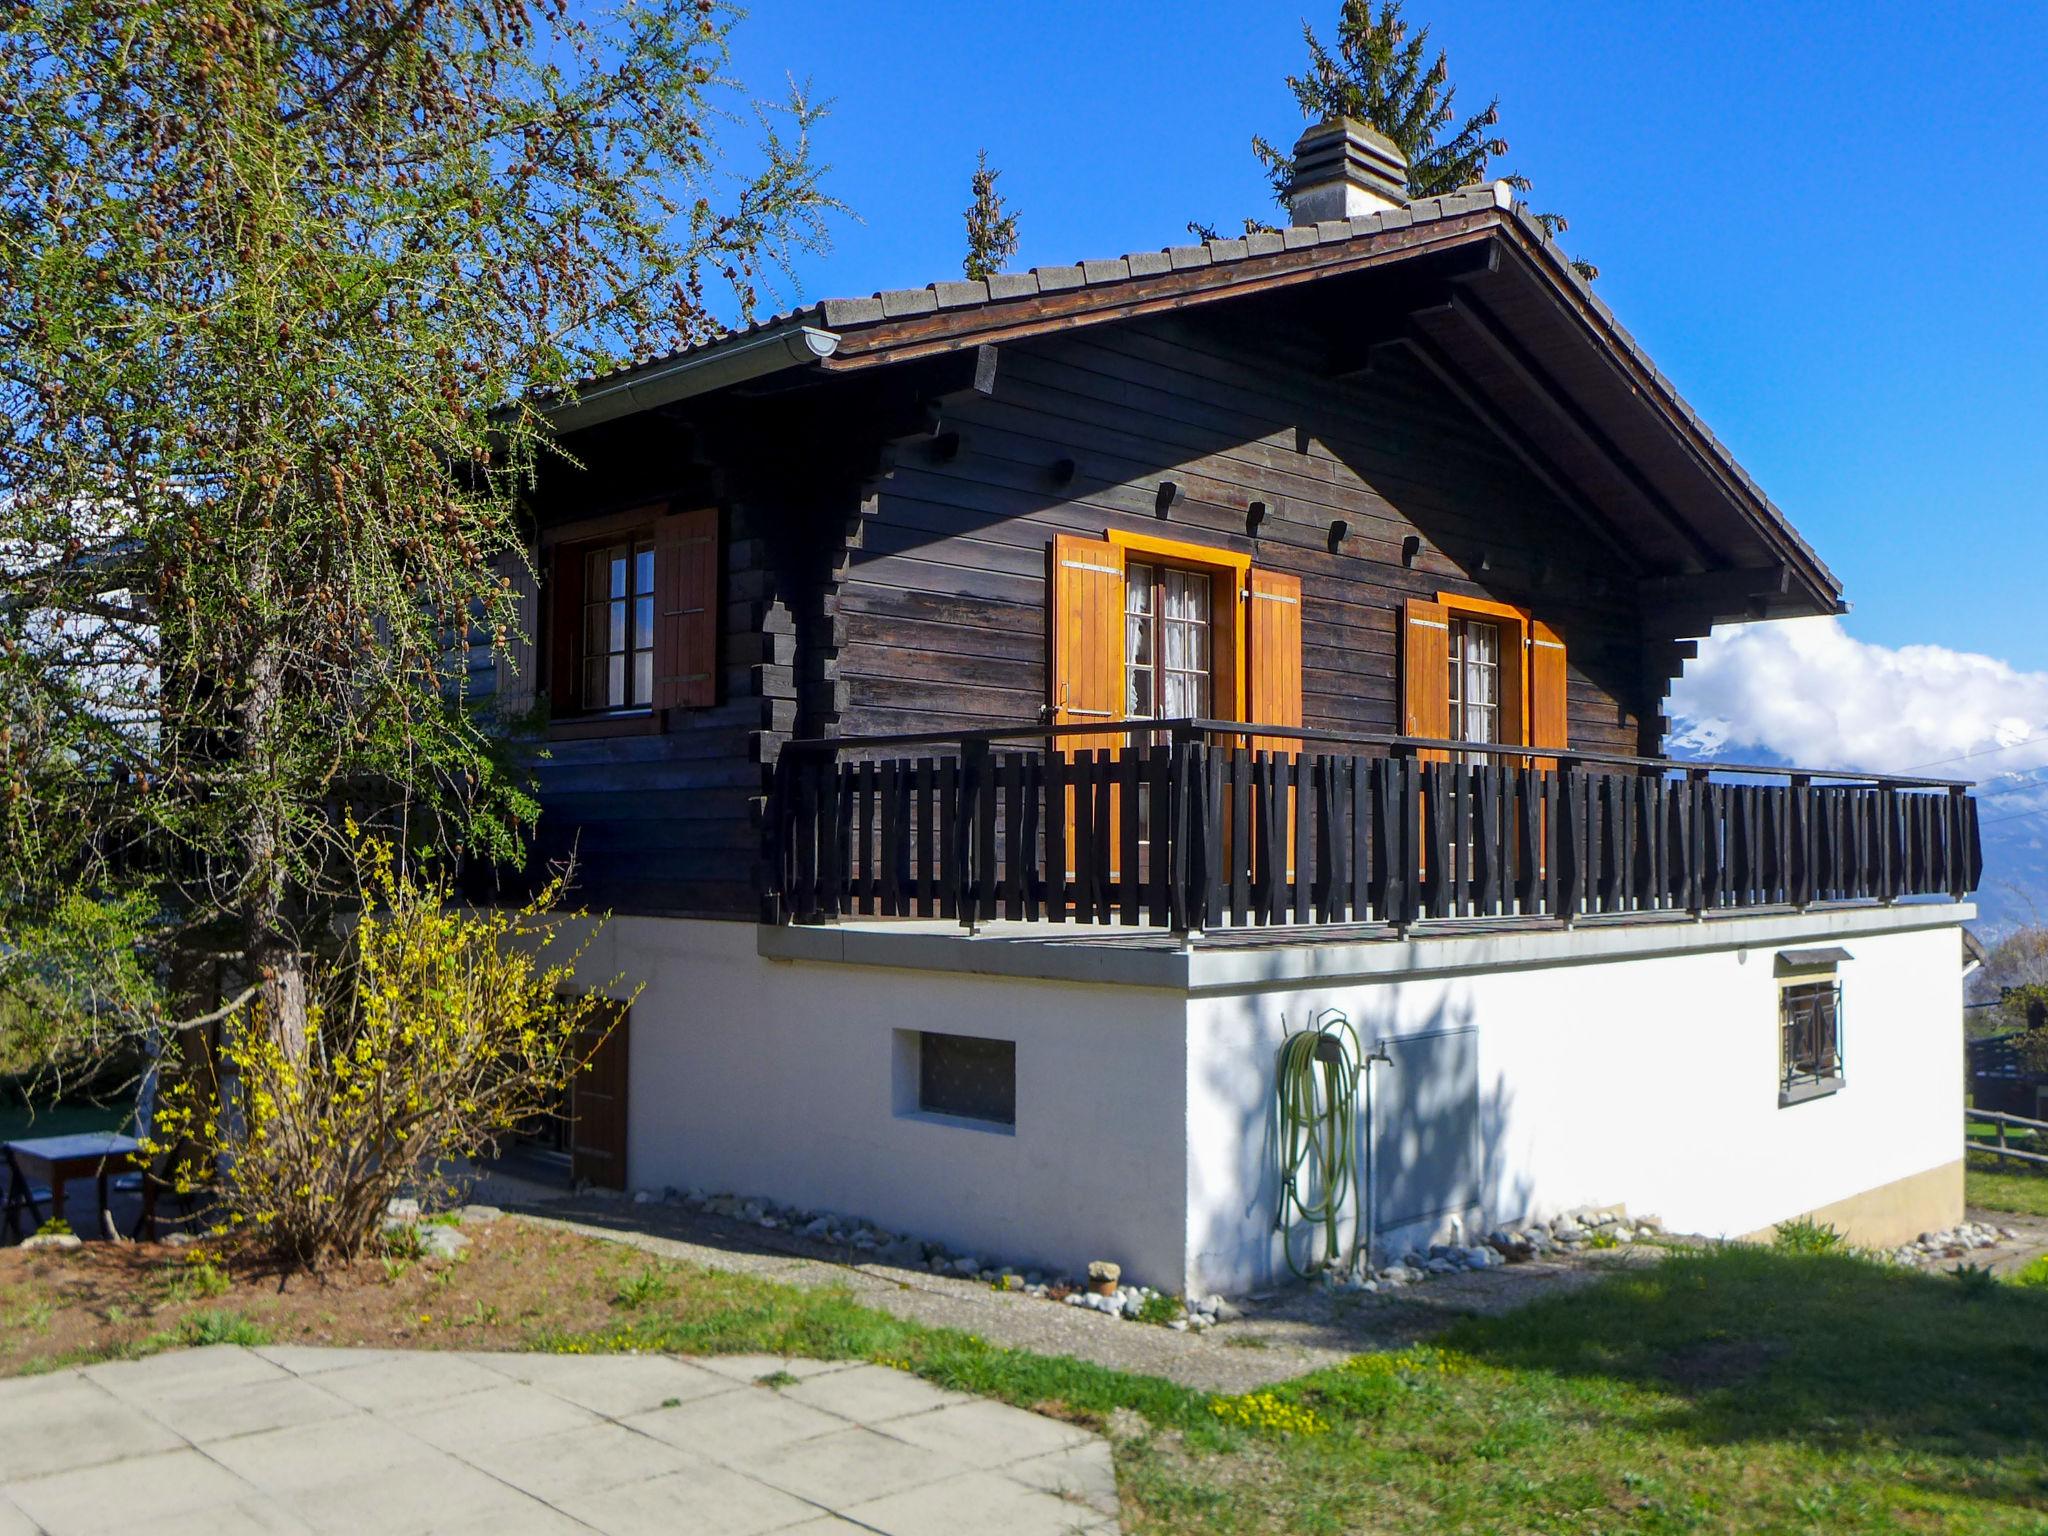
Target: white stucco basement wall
1635,1065
780,1078
1651,1082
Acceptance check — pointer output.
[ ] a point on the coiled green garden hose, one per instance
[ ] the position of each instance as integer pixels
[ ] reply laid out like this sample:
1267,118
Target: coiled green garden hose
1315,1099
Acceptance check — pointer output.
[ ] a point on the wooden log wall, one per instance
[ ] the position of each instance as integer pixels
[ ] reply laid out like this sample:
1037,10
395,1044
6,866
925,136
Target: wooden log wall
940,611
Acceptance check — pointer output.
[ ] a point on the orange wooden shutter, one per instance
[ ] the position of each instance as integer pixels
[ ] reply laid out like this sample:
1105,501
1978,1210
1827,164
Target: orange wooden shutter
1547,674
686,609
1274,697
1426,674
1087,677
565,620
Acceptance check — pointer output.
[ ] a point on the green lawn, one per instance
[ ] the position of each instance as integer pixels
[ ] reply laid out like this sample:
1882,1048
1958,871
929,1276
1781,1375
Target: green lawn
1736,1389
2003,1184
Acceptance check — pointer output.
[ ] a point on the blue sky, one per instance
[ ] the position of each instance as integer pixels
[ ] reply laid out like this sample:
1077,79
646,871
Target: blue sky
1824,221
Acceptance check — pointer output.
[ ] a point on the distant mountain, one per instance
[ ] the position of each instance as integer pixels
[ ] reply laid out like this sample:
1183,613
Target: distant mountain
2013,811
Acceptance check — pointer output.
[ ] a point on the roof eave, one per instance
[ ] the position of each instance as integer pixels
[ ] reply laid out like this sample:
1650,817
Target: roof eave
736,360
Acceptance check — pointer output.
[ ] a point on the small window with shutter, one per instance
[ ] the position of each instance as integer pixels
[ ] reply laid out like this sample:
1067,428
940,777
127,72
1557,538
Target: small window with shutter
1479,671
634,615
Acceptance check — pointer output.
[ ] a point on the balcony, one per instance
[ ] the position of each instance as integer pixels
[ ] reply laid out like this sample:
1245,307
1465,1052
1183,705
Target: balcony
1207,828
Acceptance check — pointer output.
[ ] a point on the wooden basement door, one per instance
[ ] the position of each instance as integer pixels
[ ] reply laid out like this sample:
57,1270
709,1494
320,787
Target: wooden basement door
597,1109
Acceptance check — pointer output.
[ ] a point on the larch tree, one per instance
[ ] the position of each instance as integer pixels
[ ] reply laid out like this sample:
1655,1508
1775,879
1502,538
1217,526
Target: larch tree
283,287
991,227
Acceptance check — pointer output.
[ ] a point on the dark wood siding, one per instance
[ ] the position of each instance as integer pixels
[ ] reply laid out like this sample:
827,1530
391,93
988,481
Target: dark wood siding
941,612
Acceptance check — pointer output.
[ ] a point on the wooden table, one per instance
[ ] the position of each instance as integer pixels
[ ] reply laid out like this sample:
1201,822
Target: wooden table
95,1154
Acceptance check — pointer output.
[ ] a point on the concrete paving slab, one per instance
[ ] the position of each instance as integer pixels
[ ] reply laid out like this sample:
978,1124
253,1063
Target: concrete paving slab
203,1417
184,1373
190,1444
736,1424
122,1495
507,1414
708,1499
975,1501
283,1461
613,1385
869,1394
826,1525
423,1496
1085,1473
752,1368
252,1519
579,1461
389,1386
313,1359
978,1433
851,1467
66,1421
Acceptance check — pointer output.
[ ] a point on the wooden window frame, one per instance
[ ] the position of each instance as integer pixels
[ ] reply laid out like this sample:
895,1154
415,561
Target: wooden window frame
1517,629
1229,597
1803,1087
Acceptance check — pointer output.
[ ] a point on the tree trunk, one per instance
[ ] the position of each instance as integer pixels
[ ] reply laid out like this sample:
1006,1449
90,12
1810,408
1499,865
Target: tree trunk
275,957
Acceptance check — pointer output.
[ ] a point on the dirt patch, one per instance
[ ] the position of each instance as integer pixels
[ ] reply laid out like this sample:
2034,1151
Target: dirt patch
512,1281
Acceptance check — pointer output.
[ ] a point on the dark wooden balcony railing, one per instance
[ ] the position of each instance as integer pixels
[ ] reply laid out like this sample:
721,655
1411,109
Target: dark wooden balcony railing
1193,828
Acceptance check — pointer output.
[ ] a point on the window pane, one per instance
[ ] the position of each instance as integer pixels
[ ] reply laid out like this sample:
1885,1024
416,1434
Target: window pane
615,636
593,683
643,622
595,580
596,621
968,1076
615,681
1137,691
643,677
1138,581
643,568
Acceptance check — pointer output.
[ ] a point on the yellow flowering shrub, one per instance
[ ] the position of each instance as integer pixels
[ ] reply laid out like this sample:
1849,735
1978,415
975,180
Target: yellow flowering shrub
438,1031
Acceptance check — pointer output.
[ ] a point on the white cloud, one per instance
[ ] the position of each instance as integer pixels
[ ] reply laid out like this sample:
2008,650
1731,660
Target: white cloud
1808,691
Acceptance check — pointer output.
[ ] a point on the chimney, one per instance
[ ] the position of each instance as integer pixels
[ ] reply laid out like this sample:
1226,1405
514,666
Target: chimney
1342,169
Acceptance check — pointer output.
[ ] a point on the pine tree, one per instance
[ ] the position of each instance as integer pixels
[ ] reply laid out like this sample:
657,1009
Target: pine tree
1380,72
991,228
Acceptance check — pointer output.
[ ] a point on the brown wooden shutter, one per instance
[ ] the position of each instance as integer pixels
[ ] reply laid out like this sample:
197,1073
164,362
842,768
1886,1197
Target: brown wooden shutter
513,663
1426,673
1087,677
565,619
1547,689
686,609
598,1096
1274,697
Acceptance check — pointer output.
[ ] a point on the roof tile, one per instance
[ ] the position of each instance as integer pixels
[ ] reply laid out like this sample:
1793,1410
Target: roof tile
898,302
1052,279
1298,236
844,312
1229,250
1332,230
1264,242
1148,263
960,295
1105,271
1013,285
1186,256
1366,224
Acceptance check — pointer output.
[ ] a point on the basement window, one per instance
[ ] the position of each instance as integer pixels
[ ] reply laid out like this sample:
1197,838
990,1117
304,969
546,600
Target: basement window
967,1077
1809,1024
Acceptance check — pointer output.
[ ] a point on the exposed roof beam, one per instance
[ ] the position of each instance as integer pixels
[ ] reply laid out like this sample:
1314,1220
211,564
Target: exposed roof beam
1706,452
1446,373
1732,592
1513,356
